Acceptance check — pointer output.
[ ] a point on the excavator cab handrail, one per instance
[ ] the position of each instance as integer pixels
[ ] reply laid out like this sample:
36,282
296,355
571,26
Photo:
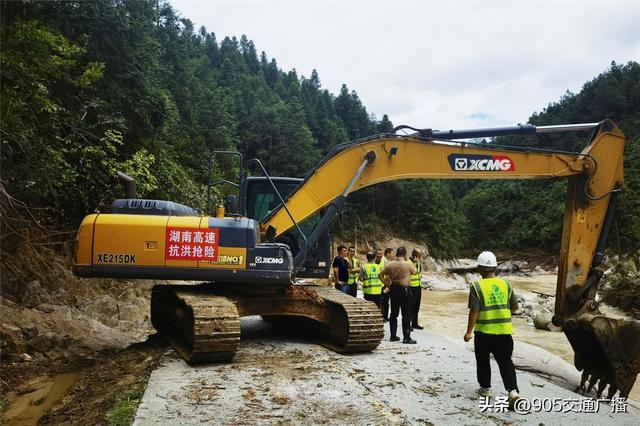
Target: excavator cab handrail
210,184
284,205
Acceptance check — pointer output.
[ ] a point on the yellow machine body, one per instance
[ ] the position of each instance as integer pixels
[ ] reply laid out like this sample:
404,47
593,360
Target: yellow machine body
140,246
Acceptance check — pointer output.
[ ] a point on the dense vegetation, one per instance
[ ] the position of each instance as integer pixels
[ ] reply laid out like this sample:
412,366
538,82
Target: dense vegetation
89,88
530,214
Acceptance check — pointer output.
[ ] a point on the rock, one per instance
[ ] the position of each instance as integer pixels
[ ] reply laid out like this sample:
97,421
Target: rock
396,411
9,327
507,267
542,321
516,267
11,341
430,264
61,296
131,312
47,308
34,294
42,343
29,332
281,399
547,365
448,281
104,308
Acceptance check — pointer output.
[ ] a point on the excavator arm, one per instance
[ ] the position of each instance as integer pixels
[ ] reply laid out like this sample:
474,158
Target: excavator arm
607,350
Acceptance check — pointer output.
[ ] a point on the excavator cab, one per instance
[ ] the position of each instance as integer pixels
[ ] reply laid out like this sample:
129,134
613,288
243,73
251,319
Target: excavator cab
259,200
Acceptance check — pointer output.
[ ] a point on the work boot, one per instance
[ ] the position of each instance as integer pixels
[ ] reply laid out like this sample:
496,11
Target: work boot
513,398
393,327
409,341
394,339
486,392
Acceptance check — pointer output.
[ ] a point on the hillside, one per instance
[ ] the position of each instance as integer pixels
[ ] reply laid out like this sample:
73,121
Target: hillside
94,87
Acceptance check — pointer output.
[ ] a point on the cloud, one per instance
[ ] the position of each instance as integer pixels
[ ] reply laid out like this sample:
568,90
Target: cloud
483,116
437,64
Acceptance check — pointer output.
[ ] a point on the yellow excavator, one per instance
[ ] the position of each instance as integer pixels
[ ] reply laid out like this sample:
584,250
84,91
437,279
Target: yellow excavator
250,257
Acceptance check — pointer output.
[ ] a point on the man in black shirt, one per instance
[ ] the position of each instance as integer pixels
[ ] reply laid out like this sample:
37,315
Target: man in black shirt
341,268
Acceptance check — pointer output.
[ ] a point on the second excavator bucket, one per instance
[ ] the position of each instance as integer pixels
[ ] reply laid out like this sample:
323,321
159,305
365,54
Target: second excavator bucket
607,350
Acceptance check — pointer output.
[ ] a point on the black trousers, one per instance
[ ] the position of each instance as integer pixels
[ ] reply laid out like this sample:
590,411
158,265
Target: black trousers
375,298
416,296
384,305
501,346
352,290
400,301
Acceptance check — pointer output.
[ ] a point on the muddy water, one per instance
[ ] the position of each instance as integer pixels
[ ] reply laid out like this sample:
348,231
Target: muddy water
446,313
37,398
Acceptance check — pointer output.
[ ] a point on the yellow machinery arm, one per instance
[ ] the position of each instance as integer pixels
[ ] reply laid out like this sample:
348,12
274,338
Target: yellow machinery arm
607,351
593,175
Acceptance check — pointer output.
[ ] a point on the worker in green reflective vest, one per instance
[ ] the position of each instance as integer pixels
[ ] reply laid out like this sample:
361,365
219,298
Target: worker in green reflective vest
354,270
416,288
384,302
491,303
370,277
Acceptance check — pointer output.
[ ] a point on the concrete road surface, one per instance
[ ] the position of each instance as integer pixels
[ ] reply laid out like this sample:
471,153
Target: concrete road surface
288,380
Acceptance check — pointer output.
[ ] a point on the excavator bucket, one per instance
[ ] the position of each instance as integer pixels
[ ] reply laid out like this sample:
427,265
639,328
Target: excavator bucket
607,350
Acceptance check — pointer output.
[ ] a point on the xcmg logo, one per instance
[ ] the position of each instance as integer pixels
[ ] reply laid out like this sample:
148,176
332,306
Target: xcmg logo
481,163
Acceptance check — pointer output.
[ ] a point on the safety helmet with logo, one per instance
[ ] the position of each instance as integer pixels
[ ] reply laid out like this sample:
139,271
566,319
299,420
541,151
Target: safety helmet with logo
487,260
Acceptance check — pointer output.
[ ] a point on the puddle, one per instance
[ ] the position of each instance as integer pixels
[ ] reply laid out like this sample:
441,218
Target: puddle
38,397
445,313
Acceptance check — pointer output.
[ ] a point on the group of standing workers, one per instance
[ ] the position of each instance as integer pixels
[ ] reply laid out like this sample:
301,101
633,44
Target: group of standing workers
387,281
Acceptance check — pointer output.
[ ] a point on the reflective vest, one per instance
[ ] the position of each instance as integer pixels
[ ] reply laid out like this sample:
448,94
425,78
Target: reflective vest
371,283
495,309
353,276
415,278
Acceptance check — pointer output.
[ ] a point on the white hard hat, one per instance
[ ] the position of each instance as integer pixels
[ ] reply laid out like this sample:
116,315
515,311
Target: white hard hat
487,259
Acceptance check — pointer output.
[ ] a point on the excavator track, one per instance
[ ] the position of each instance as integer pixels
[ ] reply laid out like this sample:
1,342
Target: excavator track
202,322
201,326
356,324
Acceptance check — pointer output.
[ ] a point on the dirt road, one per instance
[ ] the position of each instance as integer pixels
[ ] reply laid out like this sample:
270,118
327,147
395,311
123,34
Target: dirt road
286,379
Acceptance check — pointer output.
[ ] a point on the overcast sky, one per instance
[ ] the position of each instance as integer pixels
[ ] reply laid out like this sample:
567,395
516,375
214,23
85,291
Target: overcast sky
436,64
